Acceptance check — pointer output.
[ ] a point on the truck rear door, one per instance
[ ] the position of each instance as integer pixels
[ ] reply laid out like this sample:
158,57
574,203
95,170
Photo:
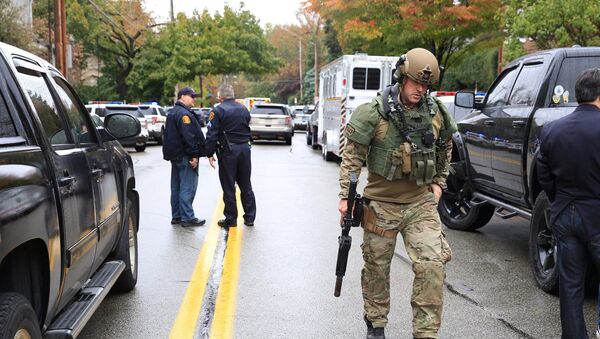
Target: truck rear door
102,173
480,131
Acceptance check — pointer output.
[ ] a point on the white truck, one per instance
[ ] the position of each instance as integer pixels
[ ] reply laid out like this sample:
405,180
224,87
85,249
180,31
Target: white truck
346,83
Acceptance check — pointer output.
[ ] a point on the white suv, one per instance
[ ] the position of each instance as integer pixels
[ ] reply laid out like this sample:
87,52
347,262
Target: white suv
102,109
156,117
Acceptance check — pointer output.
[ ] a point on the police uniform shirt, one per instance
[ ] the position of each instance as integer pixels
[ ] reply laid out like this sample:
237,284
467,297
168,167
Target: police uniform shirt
229,117
183,134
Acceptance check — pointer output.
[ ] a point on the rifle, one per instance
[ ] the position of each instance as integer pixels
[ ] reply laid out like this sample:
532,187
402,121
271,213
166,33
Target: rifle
352,218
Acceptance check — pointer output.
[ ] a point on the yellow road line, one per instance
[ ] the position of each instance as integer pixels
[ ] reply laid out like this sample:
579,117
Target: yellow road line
223,320
185,323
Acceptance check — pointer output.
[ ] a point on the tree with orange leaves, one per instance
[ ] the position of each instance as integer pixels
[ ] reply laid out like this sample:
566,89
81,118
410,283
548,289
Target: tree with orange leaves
448,28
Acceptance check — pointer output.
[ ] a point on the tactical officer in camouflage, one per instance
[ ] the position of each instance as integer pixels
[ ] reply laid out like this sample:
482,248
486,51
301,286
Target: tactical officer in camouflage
405,137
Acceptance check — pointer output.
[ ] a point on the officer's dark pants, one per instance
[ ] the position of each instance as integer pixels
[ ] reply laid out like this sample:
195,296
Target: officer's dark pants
235,167
574,247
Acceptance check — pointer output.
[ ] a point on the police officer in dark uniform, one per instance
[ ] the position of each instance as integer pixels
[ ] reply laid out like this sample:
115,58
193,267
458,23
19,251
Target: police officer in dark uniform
183,146
229,135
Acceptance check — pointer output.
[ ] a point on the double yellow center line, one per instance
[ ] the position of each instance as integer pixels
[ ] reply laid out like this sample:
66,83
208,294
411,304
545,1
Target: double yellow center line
223,317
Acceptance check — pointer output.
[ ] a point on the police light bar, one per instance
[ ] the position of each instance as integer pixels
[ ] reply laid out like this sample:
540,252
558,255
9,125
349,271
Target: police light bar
107,102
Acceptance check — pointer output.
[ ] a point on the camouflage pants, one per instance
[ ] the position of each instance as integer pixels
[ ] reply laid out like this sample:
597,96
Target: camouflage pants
420,227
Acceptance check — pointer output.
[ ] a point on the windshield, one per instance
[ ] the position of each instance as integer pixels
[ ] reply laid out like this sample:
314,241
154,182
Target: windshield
269,110
147,110
129,110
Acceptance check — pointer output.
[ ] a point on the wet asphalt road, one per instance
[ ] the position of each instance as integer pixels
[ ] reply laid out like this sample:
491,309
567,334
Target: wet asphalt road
286,273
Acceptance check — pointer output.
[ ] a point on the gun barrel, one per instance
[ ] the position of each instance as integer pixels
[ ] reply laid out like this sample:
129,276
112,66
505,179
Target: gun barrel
338,287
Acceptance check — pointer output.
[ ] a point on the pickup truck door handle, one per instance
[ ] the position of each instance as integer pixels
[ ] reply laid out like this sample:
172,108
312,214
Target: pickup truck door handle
66,181
518,123
489,123
97,173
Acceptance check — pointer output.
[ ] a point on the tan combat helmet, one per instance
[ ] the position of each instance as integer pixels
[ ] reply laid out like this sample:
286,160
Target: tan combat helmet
420,65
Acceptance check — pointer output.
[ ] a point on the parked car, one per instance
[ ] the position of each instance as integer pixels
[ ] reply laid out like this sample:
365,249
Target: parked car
494,170
301,114
312,128
139,141
156,117
271,122
69,210
202,114
458,113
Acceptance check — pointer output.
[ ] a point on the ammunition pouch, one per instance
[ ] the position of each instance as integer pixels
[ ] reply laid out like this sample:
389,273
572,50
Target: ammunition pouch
423,166
369,225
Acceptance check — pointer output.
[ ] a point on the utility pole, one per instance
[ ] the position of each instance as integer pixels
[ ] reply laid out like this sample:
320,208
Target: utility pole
300,71
172,12
316,60
316,94
60,36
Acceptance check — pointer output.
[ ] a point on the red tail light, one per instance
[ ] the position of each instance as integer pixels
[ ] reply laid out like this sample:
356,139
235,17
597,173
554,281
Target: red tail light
154,120
288,120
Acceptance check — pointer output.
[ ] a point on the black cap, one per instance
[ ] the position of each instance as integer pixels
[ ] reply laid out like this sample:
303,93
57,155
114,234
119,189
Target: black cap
187,91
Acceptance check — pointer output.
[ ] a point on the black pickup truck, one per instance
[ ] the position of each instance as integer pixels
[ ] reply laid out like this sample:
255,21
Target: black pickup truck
493,170
68,205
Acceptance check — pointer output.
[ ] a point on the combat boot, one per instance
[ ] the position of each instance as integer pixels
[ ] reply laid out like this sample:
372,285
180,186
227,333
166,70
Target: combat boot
374,332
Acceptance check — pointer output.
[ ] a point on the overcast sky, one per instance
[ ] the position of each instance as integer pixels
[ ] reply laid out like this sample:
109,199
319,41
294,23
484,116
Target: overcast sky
274,12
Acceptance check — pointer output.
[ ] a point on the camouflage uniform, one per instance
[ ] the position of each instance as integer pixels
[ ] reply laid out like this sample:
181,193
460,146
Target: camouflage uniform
397,203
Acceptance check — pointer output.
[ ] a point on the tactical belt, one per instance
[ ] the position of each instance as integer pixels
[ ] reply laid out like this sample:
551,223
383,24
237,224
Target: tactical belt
369,225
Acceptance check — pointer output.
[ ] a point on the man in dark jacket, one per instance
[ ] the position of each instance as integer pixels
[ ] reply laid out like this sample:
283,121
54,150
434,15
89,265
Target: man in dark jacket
569,173
229,135
183,146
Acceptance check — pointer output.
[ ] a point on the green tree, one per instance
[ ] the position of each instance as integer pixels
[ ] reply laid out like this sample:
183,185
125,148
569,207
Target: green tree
12,30
551,23
475,71
228,43
113,30
331,42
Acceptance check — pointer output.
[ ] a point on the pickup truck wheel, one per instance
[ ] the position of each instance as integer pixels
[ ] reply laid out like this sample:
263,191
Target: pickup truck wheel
308,137
17,318
456,210
128,252
542,246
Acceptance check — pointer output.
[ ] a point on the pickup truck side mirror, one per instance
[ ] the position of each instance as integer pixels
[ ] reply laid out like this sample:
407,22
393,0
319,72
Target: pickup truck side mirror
121,126
465,99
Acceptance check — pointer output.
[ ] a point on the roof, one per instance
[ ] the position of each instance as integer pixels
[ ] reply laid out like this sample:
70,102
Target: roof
567,51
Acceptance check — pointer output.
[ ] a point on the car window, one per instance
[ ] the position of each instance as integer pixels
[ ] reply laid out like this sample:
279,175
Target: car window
366,78
41,97
89,109
97,121
81,129
129,110
7,127
569,70
101,112
162,112
146,110
499,94
269,110
526,87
